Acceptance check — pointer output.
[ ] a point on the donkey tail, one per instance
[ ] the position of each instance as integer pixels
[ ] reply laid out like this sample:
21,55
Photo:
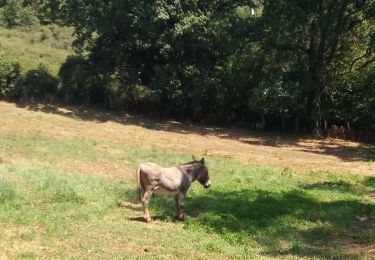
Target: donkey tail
139,187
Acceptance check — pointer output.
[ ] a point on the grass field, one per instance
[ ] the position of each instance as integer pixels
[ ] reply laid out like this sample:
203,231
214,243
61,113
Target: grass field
67,190
48,45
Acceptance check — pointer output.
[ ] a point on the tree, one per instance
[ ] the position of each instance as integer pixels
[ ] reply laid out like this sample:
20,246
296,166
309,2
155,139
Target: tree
290,64
323,34
172,47
16,14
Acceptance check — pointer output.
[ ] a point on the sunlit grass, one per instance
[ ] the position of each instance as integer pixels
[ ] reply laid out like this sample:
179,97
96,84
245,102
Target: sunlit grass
48,45
250,211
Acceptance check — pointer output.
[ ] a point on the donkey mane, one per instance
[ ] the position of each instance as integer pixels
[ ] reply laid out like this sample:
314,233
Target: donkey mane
190,163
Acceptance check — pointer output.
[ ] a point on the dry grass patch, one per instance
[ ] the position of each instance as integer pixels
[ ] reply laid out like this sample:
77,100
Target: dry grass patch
302,154
98,168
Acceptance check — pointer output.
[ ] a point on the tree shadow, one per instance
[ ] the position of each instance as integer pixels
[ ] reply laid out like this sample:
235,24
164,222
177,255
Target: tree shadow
361,152
294,222
347,153
341,186
310,228
370,182
366,186
162,207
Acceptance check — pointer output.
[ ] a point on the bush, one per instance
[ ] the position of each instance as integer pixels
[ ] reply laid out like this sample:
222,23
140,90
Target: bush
15,14
10,73
39,84
79,82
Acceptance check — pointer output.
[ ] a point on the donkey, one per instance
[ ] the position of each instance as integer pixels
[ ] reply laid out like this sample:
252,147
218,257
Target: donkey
169,181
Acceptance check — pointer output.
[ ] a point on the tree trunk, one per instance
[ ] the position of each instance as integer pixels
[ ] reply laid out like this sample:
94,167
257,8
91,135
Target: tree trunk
316,116
182,115
67,97
316,70
24,95
317,86
263,121
283,124
314,98
296,125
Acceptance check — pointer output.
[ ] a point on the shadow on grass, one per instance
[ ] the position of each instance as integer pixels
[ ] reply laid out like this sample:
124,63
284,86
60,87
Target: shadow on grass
309,227
344,152
341,186
370,182
366,186
141,219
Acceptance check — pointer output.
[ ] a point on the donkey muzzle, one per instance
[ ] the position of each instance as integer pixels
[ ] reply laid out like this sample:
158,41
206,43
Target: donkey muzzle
207,184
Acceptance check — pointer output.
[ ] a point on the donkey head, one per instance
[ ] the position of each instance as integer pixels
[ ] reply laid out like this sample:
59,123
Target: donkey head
203,177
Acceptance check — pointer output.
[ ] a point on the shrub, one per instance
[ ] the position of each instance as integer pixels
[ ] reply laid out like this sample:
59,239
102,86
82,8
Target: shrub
15,14
79,82
9,76
39,84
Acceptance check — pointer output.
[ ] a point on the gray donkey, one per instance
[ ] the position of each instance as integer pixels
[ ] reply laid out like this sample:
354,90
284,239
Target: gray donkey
169,181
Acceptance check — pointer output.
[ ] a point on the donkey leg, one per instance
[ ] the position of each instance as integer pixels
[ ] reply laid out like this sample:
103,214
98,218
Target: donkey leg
181,206
176,207
145,201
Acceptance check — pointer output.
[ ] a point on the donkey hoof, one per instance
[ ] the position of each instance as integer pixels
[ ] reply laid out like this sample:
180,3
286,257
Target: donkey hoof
148,220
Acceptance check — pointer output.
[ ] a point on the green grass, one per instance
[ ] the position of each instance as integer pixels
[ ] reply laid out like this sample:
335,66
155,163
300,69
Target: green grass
49,210
48,45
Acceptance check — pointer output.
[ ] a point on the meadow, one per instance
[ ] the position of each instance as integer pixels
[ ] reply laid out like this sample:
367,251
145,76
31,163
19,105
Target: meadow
30,46
67,190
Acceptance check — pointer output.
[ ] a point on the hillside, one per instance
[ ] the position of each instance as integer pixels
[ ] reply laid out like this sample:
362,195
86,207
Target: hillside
67,190
30,46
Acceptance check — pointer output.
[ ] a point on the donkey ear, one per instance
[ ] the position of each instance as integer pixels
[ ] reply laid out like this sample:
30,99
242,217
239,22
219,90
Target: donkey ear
202,161
194,158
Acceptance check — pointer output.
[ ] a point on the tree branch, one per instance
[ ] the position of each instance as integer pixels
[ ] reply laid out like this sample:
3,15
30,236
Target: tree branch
286,46
356,60
368,62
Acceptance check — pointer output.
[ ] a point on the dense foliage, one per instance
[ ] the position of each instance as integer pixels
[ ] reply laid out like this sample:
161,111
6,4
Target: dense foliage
17,13
9,76
277,64
39,84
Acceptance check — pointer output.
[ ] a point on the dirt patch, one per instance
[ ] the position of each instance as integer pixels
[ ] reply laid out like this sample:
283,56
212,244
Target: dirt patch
303,154
20,240
355,241
98,168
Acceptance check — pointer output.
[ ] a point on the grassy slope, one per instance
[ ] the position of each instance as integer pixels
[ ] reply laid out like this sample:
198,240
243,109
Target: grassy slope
48,45
64,196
